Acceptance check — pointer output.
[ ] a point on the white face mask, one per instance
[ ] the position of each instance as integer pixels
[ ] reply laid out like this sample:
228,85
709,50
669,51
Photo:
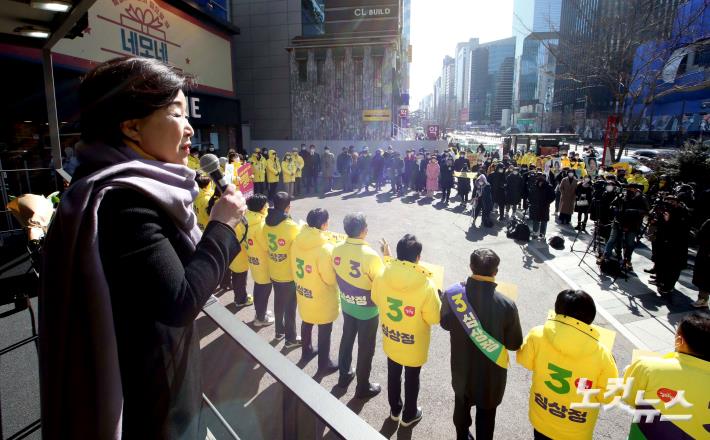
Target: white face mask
570,174
610,188
515,172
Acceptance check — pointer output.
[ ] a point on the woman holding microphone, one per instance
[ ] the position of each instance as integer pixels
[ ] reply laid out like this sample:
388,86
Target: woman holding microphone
126,269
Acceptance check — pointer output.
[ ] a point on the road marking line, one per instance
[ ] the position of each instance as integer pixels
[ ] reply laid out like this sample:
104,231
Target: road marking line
602,311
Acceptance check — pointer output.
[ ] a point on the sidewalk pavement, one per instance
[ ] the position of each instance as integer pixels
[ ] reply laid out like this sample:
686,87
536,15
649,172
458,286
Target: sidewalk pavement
631,304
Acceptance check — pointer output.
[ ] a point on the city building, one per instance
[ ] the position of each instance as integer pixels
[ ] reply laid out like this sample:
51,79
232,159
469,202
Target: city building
463,78
535,27
583,97
492,66
194,38
348,74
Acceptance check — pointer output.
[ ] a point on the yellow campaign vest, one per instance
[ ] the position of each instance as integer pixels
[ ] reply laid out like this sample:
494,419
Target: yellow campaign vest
278,241
556,375
409,305
356,266
257,250
193,162
299,164
662,378
241,262
289,171
316,288
258,168
273,169
200,206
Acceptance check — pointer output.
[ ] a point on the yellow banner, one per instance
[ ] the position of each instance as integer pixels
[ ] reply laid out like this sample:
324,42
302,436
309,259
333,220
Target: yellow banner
468,175
377,115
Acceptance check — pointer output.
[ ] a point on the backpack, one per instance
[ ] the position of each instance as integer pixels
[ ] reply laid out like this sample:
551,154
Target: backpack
518,230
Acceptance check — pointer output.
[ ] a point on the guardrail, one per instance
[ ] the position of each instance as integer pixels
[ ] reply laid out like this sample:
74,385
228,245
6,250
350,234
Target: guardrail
299,391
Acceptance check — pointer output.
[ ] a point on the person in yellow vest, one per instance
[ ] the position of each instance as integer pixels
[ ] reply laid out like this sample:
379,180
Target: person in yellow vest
258,258
289,170
298,159
258,163
316,288
356,266
193,160
675,386
279,232
409,305
638,178
273,171
239,268
202,200
560,354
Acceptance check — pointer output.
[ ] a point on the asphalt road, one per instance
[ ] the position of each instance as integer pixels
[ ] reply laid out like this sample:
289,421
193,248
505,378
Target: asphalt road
448,240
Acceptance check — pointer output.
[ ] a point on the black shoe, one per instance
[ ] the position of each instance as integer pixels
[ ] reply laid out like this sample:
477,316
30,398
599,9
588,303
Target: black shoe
417,417
371,391
329,368
344,381
307,355
651,270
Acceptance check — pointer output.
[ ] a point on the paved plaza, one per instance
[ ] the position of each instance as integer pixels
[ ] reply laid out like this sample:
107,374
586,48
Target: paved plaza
540,272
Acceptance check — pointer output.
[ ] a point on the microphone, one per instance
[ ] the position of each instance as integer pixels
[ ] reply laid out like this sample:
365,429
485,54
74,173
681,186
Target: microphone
209,164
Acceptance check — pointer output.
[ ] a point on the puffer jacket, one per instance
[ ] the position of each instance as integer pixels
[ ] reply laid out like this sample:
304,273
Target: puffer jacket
316,287
409,305
273,167
560,353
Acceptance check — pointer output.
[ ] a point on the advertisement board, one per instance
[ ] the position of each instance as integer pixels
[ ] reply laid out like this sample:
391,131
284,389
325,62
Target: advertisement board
155,29
377,115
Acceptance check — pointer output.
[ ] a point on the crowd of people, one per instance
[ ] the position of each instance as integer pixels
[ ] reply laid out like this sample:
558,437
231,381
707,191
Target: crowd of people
321,275
620,200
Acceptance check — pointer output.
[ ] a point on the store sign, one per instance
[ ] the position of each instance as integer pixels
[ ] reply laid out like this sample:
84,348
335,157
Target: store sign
154,29
404,112
432,132
377,115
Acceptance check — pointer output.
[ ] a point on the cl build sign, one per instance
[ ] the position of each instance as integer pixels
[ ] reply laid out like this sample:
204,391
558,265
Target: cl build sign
377,115
353,16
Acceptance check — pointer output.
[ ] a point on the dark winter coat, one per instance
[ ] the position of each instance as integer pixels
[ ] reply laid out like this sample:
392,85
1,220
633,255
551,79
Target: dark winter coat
343,163
584,197
497,181
540,199
378,165
311,164
514,189
473,375
446,177
671,244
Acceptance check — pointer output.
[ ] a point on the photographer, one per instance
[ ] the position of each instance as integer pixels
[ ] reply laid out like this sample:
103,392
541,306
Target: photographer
629,210
671,243
605,191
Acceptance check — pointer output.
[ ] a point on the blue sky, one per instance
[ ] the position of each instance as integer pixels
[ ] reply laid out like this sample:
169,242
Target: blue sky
436,27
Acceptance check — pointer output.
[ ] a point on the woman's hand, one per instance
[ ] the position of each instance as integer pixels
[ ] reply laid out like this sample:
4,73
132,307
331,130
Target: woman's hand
230,207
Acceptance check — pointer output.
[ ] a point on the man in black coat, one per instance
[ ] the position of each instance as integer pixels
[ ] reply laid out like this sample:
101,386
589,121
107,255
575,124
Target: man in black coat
311,168
671,244
476,379
497,181
514,186
541,195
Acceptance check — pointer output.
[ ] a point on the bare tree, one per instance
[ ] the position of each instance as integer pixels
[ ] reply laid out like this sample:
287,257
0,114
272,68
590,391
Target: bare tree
616,56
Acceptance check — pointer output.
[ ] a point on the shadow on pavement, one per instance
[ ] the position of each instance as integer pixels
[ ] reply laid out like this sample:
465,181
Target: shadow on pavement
385,197
389,427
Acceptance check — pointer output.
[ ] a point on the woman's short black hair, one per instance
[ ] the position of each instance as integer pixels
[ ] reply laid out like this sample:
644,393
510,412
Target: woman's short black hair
122,89
257,202
576,304
316,218
409,249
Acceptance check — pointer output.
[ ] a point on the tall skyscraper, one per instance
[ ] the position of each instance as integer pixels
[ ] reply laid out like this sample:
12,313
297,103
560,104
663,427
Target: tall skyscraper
463,74
535,24
491,80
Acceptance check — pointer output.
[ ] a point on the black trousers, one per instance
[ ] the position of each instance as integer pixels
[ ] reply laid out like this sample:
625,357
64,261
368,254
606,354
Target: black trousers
310,183
273,188
485,419
261,299
366,332
539,436
285,309
297,186
260,188
239,286
394,389
324,332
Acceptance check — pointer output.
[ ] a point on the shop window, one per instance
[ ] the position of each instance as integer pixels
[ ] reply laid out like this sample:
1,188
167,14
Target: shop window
312,17
702,55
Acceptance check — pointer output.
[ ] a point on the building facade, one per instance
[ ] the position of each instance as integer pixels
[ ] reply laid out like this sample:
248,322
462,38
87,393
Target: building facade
491,90
349,81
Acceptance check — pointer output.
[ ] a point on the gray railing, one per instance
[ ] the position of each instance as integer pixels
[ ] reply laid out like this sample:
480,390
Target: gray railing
307,409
